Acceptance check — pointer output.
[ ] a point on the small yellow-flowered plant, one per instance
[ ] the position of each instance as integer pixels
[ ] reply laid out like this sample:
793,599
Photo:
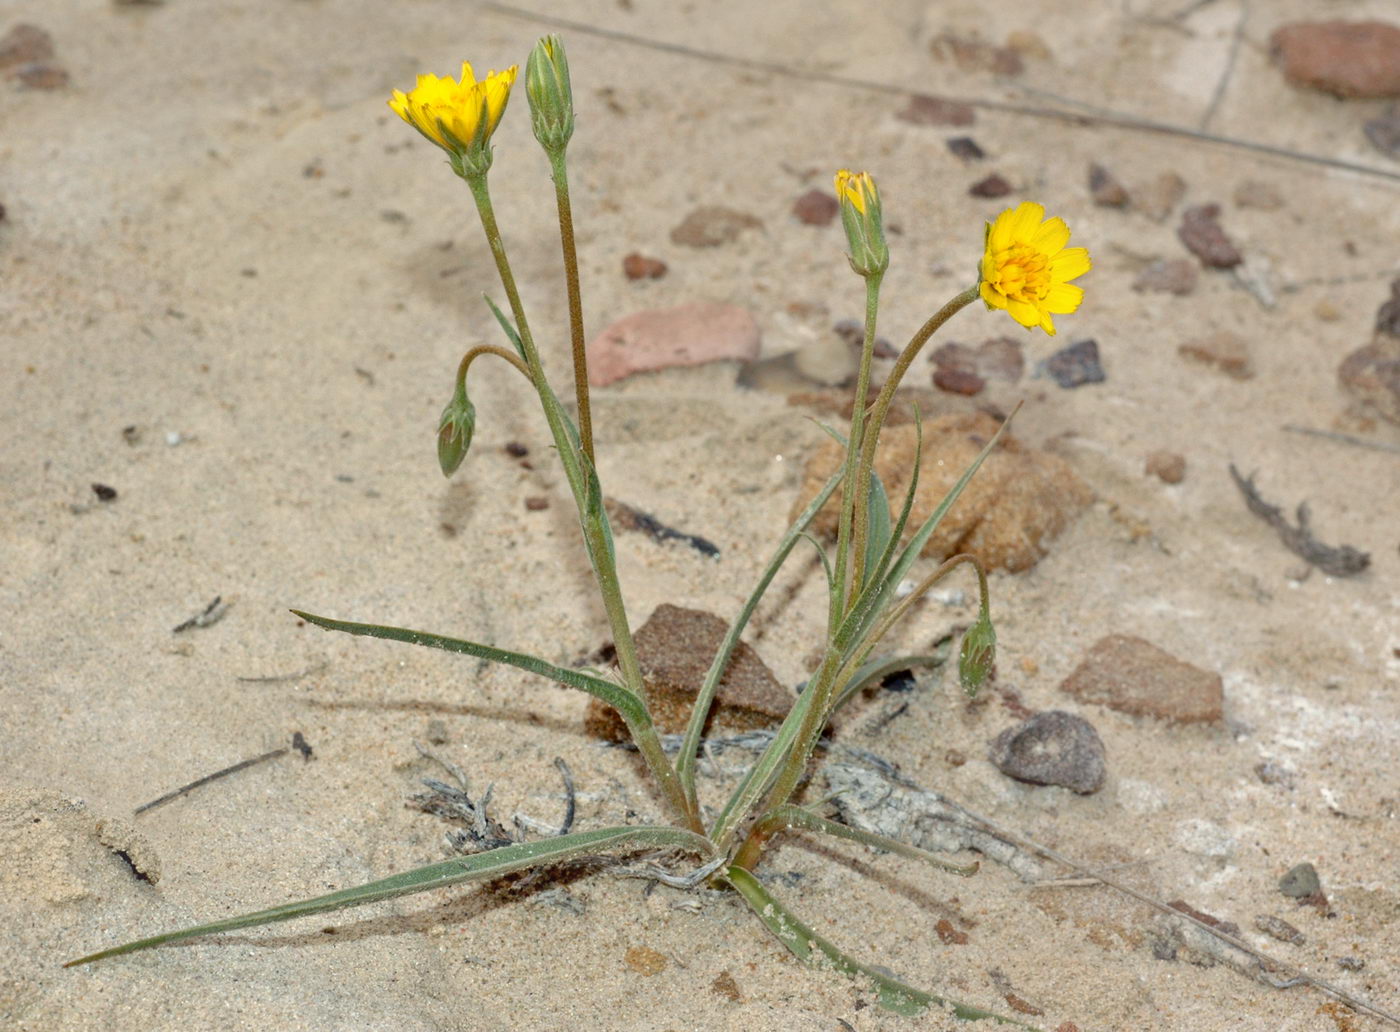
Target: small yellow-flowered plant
1026,267
457,116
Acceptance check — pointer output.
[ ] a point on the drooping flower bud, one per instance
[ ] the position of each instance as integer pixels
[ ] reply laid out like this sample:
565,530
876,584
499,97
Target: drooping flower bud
977,655
455,430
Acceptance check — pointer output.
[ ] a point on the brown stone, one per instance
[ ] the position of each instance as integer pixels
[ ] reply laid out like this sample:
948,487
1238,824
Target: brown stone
638,266
975,55
993,185
1105,188
1169,467
997,358
958,381
1201,233
674,649
1007,516
41,75
1253,193
1226,351
725,986
1159,198
25,44
1346,59
1371,375
713,225
948,935
816,208
925,110
1168,276
1134,676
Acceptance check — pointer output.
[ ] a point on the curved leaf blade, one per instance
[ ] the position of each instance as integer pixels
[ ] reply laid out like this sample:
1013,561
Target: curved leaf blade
479,867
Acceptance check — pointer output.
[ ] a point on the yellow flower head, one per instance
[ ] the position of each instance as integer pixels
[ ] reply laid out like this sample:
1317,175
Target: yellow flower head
1026,267
458,116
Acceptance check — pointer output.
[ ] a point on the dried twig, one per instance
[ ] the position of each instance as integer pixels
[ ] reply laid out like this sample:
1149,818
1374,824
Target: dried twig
1339,561
244,765
1333,435
212,613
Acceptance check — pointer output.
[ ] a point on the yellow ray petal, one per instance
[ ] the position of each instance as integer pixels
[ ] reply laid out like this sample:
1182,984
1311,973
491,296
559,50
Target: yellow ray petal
1063,298
1052,236
1070,263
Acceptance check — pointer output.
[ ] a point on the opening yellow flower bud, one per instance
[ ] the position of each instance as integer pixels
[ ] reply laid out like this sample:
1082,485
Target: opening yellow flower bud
864,224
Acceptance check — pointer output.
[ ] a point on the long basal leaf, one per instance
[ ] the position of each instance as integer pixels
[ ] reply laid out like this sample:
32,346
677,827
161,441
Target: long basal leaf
479,867
810,947
614,695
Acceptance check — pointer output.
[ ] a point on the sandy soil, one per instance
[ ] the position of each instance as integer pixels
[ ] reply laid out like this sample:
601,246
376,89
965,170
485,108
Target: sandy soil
217,234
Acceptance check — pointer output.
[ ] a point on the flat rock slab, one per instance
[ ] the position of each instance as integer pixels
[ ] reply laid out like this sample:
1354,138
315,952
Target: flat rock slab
659,338
1052,748
1018,502
674,649
1346,59
1134,676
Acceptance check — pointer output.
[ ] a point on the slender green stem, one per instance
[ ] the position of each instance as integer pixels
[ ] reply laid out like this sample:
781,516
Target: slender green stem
901,366
596,536
489,349
852,499
560,174
861,487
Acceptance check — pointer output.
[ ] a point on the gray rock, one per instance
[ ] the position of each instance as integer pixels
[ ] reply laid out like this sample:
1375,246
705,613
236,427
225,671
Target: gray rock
1300,882
1052,748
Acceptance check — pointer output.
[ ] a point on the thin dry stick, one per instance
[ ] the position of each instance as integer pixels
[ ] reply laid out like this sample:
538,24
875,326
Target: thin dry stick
1091,116
1264,959
1333,435
185,789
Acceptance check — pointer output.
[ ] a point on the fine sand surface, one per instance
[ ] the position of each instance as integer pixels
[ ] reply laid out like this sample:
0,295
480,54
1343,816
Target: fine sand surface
217,234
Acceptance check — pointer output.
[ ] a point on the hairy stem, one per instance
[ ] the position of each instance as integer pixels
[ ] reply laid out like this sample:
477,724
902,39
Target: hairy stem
560,174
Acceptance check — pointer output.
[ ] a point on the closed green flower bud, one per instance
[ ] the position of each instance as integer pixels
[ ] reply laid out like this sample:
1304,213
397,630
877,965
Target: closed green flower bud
455,431
978,655
865,227
551,95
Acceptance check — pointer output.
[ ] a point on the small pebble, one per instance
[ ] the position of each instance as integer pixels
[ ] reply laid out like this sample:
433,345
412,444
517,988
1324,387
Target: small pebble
173,438
1351,963
1384,132
1226,351
437,732
536,503
1254,194
966,148
1326,311
515,449
638,266
1159,198
41,76
955,758
1075,365
1279,929
1105,189
925,110
1300,882
725,986
816,208
1168,276
1052,748
1271,772
104,493
958,381
1169,467
25,44
1201,233
993,186
713,225
948,935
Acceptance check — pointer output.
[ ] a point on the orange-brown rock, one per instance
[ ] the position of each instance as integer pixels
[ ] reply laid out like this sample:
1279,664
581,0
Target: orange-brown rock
1013,508
674,649
1134,676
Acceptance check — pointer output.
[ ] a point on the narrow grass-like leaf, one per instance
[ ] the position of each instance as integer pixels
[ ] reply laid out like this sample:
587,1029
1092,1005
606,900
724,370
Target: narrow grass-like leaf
685,763
878,526
613,694
898,532
877,669
797,818
875,596
810,947
478,867
509,329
